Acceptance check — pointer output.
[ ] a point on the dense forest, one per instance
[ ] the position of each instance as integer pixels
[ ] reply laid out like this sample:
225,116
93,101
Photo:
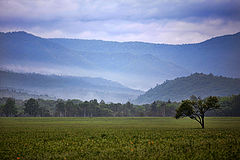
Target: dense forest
230,106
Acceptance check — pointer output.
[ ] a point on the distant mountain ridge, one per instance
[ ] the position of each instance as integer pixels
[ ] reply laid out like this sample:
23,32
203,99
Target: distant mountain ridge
84,88
134,64
220,55
124,47
197,84
22,47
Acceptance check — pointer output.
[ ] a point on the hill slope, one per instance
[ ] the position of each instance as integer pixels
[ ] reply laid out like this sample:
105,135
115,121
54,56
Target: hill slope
83,88
196,84
24,48
21,94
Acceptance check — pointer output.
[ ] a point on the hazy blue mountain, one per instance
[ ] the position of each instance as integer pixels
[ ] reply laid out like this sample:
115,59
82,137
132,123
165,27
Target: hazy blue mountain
134,64
218,55
24,48
197,84
83,88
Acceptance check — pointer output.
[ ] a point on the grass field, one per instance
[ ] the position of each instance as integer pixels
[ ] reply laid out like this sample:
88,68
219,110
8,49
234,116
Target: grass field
119,138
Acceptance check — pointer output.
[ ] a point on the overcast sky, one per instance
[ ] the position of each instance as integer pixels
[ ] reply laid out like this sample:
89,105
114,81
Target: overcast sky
159,21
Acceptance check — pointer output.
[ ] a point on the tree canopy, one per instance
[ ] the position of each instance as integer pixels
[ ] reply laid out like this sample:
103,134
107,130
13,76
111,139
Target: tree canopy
9,109
195,108
31,107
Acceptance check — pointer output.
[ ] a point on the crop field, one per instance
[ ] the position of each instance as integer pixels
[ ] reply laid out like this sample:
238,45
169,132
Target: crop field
119,138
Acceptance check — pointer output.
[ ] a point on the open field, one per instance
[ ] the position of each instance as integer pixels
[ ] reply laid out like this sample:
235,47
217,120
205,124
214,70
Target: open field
119,138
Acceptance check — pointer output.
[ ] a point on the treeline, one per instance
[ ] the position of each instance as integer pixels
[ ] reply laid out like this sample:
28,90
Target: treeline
230,106
77,108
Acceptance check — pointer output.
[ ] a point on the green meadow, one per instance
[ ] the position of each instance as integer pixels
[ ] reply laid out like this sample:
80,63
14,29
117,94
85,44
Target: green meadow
119,138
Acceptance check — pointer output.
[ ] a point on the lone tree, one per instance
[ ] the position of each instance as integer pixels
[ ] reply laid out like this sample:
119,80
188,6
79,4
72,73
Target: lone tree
195,108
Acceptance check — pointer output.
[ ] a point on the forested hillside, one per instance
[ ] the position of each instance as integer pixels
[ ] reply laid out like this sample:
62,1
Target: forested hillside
21,94
198,84
84,88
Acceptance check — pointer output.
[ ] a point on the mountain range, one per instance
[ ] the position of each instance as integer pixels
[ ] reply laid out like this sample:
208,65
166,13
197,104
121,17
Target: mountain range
198,84
135,65
219,55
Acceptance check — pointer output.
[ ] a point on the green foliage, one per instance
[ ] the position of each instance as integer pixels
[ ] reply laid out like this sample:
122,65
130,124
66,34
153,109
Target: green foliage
229,106
9,109
60,108
196,108
211,103
31,107
185,109
118,138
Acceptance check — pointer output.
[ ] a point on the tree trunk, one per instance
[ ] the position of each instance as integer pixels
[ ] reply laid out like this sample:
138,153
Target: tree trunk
202,122
84,112
164,111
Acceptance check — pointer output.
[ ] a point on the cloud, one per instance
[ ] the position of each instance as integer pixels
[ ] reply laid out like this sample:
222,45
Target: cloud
90,10
161,31
161,21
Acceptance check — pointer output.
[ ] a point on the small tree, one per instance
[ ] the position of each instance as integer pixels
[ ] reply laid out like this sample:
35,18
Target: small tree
9,109
60,108
196,108
31,107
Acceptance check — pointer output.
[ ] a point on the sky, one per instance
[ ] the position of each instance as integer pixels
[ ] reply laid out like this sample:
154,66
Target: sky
157,21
